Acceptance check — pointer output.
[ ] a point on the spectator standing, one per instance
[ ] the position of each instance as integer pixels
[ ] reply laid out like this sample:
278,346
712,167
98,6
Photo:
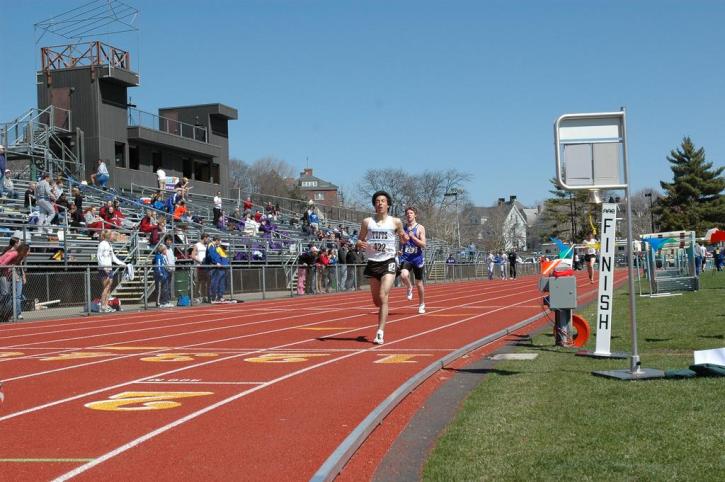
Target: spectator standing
198,254
101,176
718,258
703,256
450,269
13,257
342,267
219,258
351,260
217,207
44,198
512,264
106,258
491,260
323,266
162,278
304,261
170,258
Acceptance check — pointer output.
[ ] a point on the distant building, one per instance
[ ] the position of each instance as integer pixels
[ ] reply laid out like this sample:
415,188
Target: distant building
87,86
500,227
315,189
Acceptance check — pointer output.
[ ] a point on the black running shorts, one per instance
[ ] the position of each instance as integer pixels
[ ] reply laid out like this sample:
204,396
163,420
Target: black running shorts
378,269
418,271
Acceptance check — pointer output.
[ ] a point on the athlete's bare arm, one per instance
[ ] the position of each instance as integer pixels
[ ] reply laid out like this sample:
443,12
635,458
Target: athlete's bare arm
400,231
420,238
363,234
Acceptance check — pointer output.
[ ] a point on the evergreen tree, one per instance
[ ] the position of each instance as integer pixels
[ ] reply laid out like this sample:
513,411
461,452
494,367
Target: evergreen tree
568,215
693,200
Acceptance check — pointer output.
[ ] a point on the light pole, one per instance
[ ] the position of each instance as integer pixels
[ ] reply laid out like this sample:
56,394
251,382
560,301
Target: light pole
454,193
651,213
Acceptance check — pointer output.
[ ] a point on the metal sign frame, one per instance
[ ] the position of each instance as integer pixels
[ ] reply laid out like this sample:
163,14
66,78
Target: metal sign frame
591,128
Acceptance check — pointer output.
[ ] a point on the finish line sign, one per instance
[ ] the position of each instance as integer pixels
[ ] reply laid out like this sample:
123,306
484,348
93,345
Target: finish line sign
606,279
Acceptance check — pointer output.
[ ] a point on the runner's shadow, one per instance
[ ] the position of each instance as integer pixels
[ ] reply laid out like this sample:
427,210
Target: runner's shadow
717,337
360,339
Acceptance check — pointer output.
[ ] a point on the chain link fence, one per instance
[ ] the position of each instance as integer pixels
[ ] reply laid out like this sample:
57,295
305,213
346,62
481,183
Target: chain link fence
47,292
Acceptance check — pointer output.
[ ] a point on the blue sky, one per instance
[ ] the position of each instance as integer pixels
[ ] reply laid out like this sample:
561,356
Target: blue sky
419,85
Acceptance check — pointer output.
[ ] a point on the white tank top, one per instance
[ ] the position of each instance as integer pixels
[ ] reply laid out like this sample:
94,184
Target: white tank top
381,239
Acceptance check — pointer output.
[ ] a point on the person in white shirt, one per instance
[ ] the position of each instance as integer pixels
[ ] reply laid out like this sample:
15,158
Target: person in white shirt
217,207
379,235
198,254
161,174
170,257
106,258
101,175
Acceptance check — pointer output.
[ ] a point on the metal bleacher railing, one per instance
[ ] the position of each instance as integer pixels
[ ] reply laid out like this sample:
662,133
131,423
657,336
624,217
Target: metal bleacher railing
35,135
139,118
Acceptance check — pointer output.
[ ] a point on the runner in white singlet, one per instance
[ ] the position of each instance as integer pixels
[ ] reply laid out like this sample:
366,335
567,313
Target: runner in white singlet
378,236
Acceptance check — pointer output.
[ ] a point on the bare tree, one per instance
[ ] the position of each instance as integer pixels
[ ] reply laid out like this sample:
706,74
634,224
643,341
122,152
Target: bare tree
239,175
426,192
266,176
494,229
642,215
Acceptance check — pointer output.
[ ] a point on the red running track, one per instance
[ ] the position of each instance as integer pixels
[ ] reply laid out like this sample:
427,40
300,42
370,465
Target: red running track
257,391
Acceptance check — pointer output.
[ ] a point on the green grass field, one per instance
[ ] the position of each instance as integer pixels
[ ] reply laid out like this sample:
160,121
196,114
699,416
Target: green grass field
550,418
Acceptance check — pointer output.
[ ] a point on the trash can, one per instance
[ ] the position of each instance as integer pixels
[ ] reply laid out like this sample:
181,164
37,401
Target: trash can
182,283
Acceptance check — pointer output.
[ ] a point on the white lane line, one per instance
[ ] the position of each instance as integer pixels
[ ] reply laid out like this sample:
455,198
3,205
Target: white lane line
107,360
50,404
150,352
194,315
152,316
197,382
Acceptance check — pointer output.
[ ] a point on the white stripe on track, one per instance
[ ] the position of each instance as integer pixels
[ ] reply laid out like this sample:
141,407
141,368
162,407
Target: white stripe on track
57,402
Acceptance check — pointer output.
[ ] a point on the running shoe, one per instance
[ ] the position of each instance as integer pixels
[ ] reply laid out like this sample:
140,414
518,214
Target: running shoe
107,309
410,294
421,308
378,338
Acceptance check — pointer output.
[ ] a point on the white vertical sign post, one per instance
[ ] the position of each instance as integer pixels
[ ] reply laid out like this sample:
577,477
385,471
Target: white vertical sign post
606,280
590,151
